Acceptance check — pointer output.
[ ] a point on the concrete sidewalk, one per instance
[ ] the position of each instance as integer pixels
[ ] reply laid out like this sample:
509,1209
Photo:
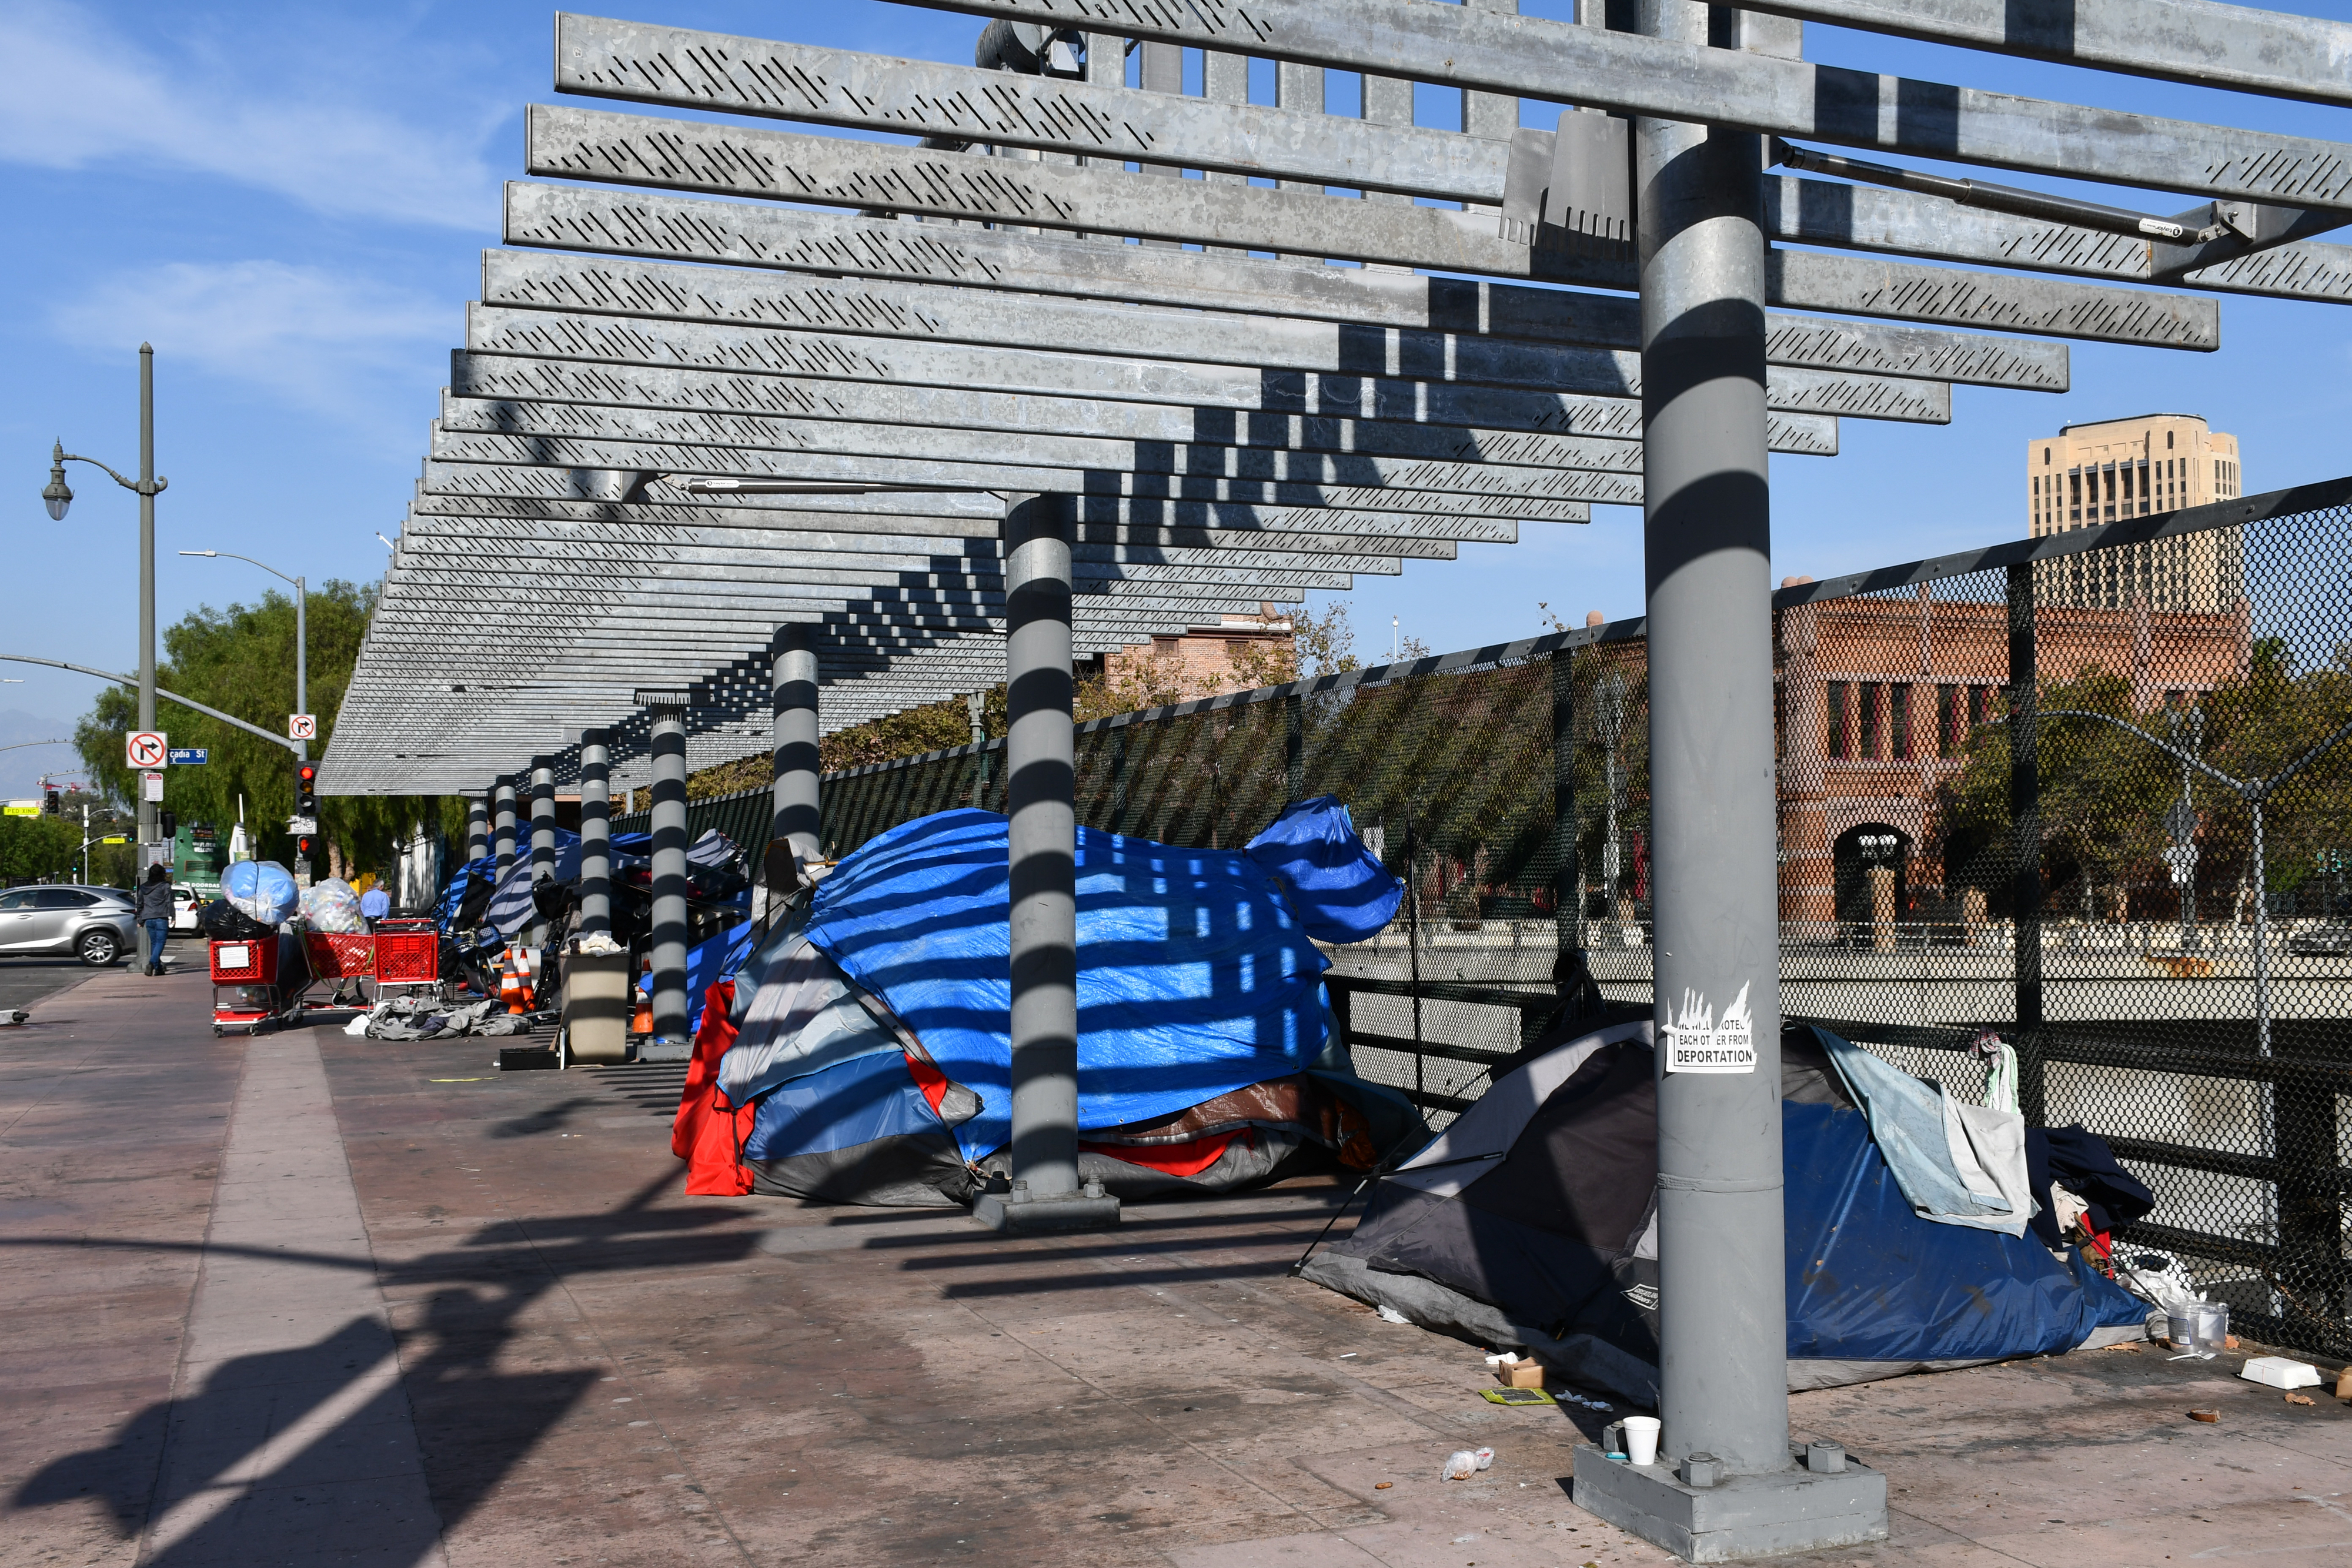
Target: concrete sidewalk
316,1299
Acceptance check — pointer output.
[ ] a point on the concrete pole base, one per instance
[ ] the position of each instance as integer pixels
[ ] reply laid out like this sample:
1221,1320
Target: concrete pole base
1740,1517
1016,1213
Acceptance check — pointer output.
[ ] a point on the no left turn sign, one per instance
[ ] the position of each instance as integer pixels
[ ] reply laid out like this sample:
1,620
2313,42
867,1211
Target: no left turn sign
147,748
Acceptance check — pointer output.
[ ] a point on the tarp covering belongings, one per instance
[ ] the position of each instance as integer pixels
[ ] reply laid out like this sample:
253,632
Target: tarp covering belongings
474,881
1332,882
1532,1222
865,1058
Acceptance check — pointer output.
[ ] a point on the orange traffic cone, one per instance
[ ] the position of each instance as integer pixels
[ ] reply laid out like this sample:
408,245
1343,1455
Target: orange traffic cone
514,987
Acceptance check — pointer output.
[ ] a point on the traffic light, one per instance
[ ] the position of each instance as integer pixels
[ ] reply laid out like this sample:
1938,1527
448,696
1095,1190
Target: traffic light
302,847
305,799
49,805
167,826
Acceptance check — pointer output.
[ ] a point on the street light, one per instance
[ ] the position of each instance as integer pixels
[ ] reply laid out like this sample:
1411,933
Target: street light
2180,822
1609,724
302,632
57,497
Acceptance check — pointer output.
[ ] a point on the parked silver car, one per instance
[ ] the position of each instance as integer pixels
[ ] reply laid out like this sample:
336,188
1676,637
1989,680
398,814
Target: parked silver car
93,924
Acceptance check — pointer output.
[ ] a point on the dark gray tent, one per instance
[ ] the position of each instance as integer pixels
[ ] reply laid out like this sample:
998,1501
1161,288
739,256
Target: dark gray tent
1530,1223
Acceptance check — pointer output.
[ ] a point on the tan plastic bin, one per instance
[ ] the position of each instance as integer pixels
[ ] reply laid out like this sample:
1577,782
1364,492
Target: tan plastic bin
596,1006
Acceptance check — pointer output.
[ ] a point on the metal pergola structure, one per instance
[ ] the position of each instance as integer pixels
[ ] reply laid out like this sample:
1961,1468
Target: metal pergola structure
756,433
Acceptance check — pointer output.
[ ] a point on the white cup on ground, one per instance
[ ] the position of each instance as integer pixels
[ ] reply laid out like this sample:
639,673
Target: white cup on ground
1642,1438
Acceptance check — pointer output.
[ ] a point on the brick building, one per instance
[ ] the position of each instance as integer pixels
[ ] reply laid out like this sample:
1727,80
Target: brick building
1238,654
1878,697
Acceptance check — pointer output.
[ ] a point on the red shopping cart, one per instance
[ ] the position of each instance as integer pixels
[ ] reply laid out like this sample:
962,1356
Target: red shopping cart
257,980
345,958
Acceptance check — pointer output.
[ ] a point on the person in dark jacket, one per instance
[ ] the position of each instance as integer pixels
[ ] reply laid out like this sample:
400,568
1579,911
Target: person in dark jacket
155,912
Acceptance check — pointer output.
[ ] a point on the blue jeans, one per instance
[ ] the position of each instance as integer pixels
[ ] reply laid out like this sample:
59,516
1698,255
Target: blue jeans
156,930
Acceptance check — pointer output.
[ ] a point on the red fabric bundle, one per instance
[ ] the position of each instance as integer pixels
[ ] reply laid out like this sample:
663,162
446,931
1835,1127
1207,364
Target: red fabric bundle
709,1132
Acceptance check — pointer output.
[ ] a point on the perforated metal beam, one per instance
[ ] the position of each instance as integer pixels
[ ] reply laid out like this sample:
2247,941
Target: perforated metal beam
2237,46
1905,222
1362,394
939,312
653,224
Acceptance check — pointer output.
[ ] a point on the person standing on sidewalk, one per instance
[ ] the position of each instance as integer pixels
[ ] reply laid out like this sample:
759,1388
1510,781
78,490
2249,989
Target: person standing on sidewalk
155,912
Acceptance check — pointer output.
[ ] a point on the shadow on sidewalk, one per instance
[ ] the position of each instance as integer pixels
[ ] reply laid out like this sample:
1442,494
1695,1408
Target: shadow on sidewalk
302,1451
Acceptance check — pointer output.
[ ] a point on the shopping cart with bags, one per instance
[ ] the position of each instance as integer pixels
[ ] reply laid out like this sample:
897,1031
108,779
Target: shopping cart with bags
346,957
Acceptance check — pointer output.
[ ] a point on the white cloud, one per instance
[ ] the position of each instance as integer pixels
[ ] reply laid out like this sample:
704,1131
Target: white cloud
80,96
304,332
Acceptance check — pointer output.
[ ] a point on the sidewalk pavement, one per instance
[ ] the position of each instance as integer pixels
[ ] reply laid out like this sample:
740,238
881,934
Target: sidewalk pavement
316,1299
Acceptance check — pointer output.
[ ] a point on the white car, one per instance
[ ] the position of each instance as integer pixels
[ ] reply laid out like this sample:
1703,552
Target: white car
186,902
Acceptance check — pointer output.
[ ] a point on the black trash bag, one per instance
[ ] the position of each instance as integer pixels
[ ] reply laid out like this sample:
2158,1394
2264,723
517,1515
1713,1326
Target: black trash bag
225,921
551,899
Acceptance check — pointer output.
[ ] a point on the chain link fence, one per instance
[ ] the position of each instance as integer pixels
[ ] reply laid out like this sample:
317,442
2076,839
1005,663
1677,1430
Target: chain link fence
2092,791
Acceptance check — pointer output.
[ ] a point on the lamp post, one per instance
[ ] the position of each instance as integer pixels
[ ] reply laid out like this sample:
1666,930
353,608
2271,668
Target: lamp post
1609,721
2180,822
301,633
57,496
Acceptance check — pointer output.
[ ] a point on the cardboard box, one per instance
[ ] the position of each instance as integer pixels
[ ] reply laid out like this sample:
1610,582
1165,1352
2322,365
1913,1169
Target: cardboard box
1520,1374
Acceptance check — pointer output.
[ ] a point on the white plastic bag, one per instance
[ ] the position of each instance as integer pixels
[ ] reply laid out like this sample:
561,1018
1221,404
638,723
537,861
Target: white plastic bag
1464,1463
331,905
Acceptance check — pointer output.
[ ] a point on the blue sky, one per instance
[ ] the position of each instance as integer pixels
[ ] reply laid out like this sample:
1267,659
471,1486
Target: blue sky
290,201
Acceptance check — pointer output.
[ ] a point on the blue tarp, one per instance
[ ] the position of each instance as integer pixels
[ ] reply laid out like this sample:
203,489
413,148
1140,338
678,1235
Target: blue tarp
627,849
1870,1280
1339,892
840,1107
1194,979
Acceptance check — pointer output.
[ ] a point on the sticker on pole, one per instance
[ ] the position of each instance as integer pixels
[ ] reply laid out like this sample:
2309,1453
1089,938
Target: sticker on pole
1698,1043
150,787
302,726
147,748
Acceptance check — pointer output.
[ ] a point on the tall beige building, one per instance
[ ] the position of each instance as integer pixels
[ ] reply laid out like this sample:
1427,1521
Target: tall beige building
2117,468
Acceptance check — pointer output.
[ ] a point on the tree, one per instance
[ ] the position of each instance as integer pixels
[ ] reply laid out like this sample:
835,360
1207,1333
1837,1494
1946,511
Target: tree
240,660
35,847
2104,792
